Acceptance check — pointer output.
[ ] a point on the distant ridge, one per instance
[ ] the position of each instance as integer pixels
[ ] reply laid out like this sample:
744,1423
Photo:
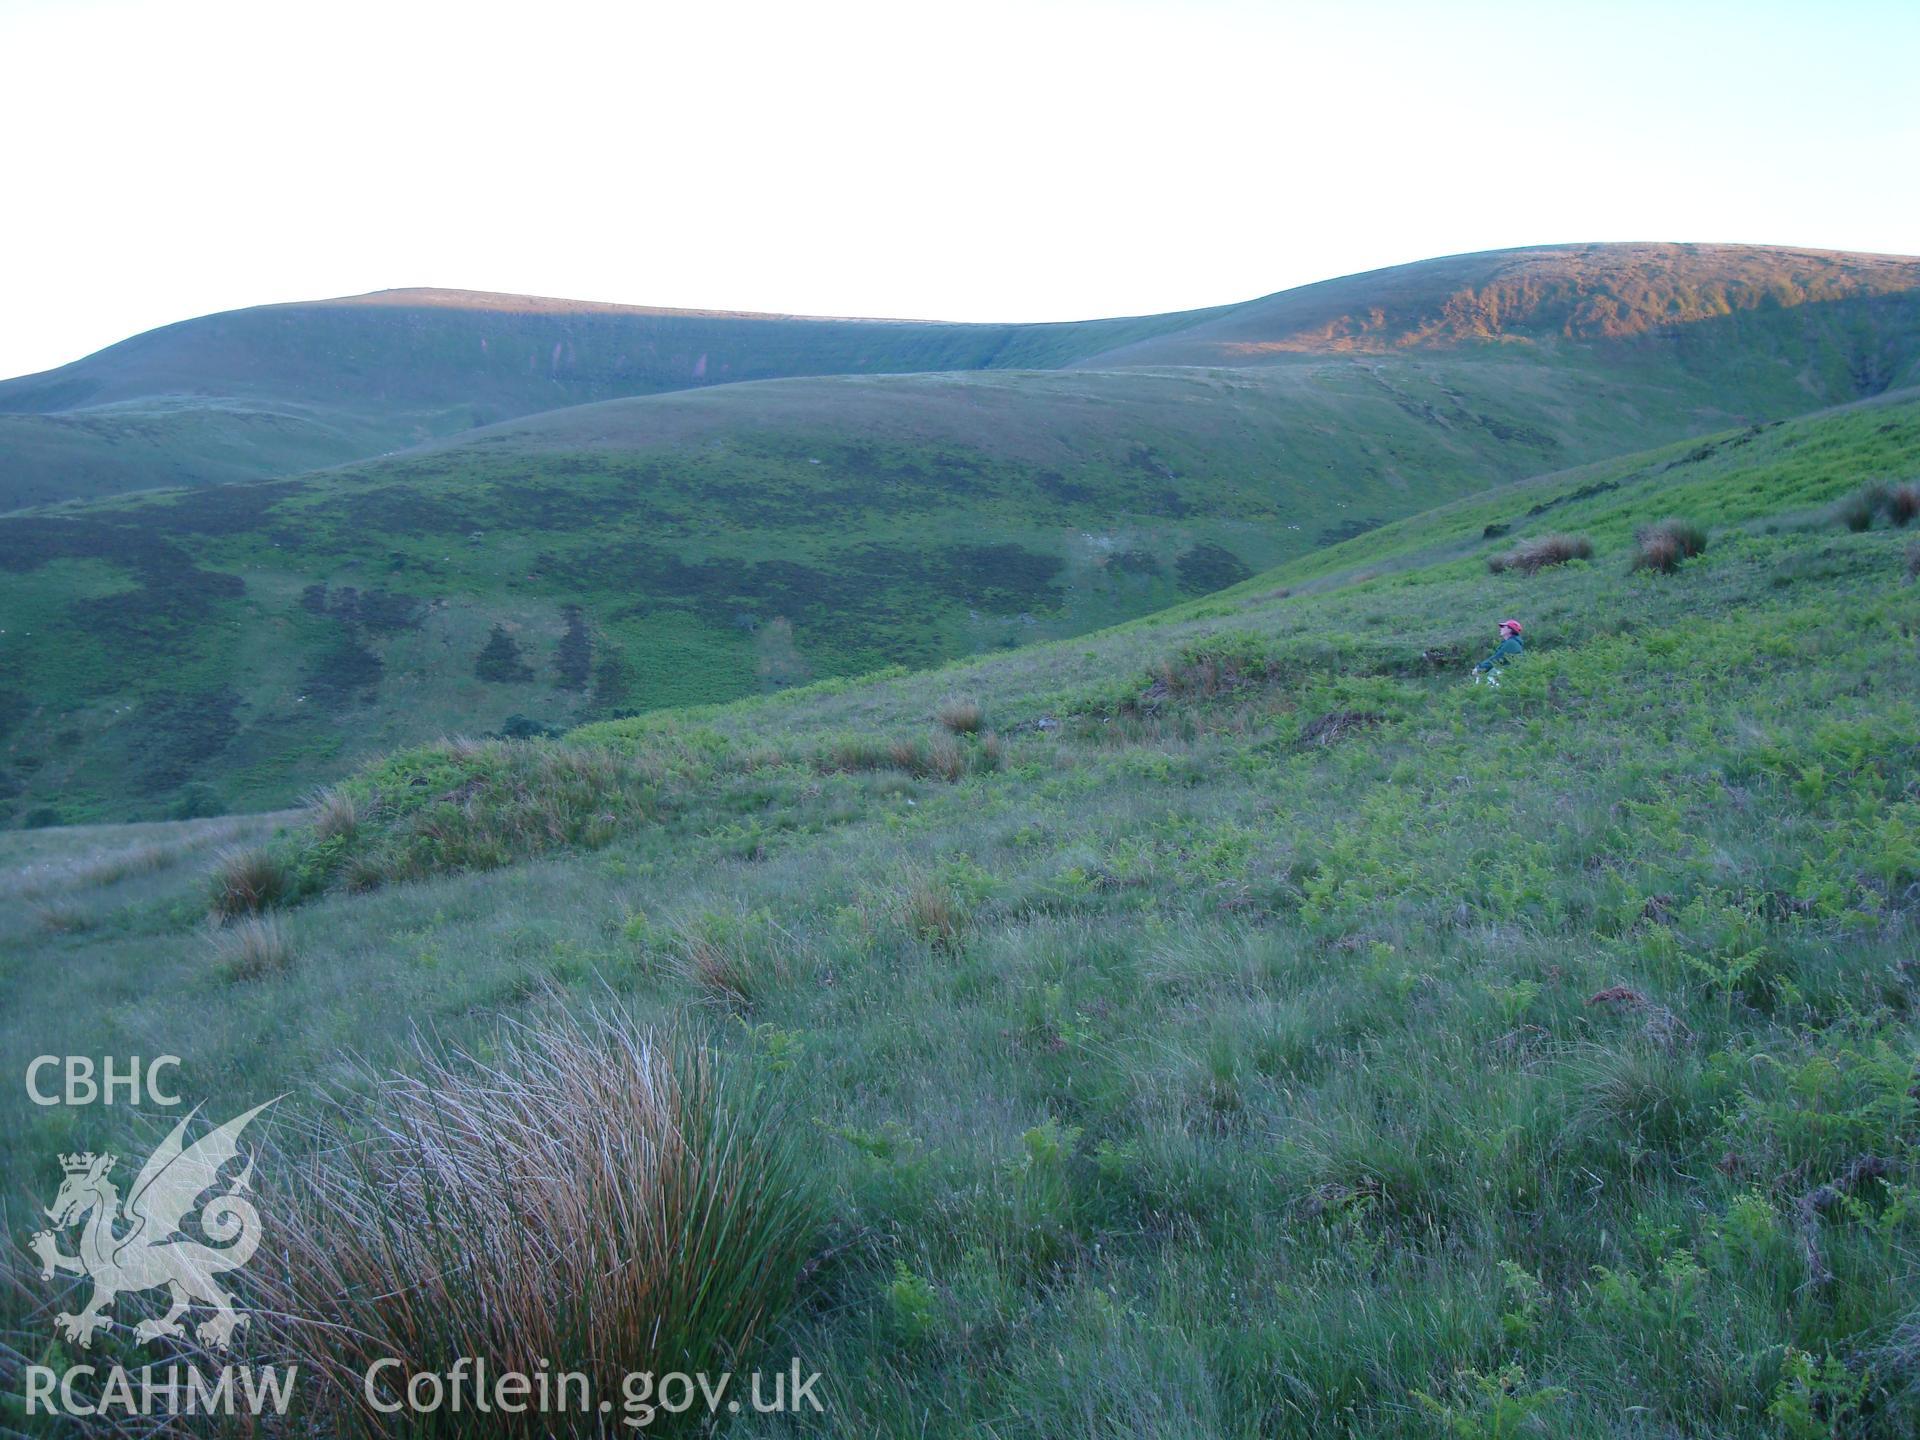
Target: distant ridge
1582,293
286,388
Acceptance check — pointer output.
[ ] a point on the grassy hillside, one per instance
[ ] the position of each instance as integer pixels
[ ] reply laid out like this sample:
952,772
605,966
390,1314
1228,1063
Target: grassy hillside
1758,297
231,646
1229,1024
282,388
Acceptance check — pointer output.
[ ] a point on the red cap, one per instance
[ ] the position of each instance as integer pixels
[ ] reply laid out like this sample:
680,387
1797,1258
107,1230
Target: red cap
1513,625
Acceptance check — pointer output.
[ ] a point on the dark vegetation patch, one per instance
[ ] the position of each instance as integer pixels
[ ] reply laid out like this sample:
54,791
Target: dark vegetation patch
171,592
342,674
14,707
863,596
608,698
1347,530
499,661
523,727
1136,562
1513,432
1056,486
542,505
1169,503
1693,457
382,612
1583,492
1209,567
573,657
1146,459
217,509
176,732
402,510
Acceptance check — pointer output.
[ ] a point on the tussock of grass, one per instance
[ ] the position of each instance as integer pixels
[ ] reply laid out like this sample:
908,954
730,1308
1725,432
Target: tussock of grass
961,716
933,913
333,813
859,752
1535,555
734,960
1662,546
1858,510
253,947
594,1194
1903,503
248,879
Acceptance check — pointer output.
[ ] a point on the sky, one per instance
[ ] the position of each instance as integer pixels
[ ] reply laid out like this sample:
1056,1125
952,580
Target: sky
1037,160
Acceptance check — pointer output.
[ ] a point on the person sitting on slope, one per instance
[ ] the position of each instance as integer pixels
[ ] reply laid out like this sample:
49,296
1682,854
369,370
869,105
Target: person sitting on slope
1509,648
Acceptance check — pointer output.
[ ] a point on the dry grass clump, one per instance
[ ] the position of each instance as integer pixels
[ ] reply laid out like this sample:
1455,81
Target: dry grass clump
333,814
1857,510
1903,503
595,1196
1664,545
960,716
854,753
992,753
253,948
246,880
1532,556
947,758
946,755
733,959
934,914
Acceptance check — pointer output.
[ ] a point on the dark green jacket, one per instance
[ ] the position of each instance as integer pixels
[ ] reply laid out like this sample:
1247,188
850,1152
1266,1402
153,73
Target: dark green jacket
1508,649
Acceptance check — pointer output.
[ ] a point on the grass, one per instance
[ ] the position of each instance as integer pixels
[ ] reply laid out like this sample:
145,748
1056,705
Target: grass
1663,545
635,1202
253,948
262,392
231,646
1541,554
1546,1053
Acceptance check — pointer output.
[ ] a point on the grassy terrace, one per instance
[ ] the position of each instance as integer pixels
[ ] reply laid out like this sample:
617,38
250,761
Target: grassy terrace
1233,1023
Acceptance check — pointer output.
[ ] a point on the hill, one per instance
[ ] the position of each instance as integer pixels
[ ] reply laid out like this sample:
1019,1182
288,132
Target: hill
232,645
1228,1023
1855,312
278,389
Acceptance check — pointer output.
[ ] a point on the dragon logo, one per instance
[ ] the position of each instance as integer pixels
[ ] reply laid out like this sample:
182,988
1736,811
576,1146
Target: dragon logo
142,1247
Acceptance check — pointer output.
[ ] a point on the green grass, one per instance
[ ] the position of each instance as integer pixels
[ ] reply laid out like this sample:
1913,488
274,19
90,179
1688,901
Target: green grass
1548,1050
253,640
280,389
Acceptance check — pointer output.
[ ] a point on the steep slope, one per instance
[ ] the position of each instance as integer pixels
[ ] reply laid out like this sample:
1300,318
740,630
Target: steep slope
281,388
1860,312
1261,1031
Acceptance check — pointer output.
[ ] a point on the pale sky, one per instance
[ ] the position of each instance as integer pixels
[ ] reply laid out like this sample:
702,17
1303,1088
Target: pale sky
1036,160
